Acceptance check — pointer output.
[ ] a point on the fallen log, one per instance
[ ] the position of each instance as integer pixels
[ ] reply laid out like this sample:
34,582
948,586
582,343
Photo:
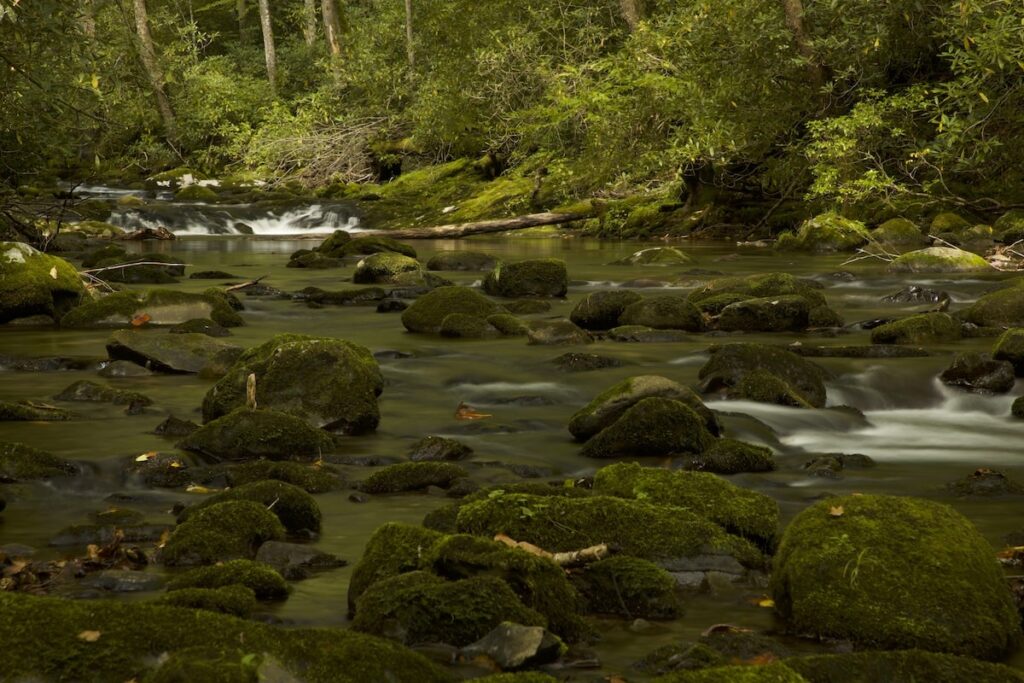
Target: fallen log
456,230
574,558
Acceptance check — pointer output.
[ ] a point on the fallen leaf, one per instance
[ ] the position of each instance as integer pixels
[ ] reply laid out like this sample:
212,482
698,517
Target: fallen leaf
1012,557
89,636
146,456
836,511
464,412
53,272
141,319
196,488
724,628
765,602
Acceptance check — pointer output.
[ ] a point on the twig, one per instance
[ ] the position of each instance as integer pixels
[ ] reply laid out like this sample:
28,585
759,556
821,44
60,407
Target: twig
250,283
133,265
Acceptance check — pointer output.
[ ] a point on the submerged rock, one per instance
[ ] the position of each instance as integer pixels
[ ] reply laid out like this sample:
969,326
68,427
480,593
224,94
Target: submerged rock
664,313
655,256
85,390
201,326
979,372
412,476
984,482
33,283
30,411
179,353
916,295
758,287
313,260
296,561
428,312
21,462
439,448
252,434
759,372
584,362
557,333
888,572
532,278
364,246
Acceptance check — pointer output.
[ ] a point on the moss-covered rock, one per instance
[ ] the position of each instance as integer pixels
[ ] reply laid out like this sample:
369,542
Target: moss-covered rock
764,387
226,531
1010,347
536,277
144,269
898,232
938,260
89,391
666,535
296,509
30,411
664,313
312,478
894,573
205,663
629,587
439,448
737,510
313,260
92,228
235,600
20,462
517,677
33,283
948,222
263,581
372,245
412,476
827,232
556,333
330,383
42,641
418,607
652,427
905,666
655,256
253,434
775,672
1002,308
334,245
196,193
609,405
1009,227
463,326
979,372
107,251
789,313
164,307
201,326
730,364
462,260
601,310
926,328
385,268
756,287
729,456
173,353
393,549
509,325
428,312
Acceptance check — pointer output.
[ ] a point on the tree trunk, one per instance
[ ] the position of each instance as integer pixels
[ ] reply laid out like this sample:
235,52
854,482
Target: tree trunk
270,55
410,48
242,10
147,53
479,227
632,12
332,29
309,22
89,19
794,10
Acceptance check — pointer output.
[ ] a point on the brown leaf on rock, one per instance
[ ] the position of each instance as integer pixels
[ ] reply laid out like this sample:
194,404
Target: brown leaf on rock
836,511
141,319
464,412
89,636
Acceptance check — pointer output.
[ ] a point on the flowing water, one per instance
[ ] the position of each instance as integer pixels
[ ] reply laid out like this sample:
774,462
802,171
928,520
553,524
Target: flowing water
922,434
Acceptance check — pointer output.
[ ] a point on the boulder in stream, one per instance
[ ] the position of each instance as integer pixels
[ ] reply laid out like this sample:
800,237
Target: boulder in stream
562,332
532,278
601,310
32,411
265,582
439,448
152,307
245,434
899,233
387,268
979,372
297,510
663,313
365,246
759,372
628,587
1001,308
655,256
902,665
938,260
985,483
412,476
925,328
651,427
428,312
827,232
88,391
229,530
21,462
729,456
172,353
789,313
295,560
1010,347
36,284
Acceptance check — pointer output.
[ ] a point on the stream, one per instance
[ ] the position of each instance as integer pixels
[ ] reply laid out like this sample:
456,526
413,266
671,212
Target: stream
921,433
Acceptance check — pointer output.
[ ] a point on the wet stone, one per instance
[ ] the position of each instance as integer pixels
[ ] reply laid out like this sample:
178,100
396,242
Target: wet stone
584,362
295,560
123,581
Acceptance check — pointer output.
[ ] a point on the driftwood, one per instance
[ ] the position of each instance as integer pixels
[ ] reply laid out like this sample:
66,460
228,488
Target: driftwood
245,285
575,558
158,233
532,220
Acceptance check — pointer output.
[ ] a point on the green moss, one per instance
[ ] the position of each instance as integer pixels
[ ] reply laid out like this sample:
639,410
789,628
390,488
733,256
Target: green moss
948,222
898,232
907,666
653,427
27,287
1010,226
393,549
463,326
788,313
87,390
235,600
508,325
428,312
418,607
729,456
412,476
775,672
731,363
828,232
41,638
330,383
176,174
629,587
536,277
601,310
517,677
315,478
28,411
107,251
678,657
714,305
165,307
664,313
764,387
926,328
333,245
366,246
295,508
655,256
212,664
94,228
938,260
385,268
196,193
1017,408
659,533
253,434
226,531
894,573
313,260
759,287
1002,308
20,461
507,195
737,510
262,580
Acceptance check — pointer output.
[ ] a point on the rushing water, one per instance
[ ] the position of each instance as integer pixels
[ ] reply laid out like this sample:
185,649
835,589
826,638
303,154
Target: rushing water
922,434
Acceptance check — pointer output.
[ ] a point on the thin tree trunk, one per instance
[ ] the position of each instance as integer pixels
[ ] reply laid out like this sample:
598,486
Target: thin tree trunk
309,22
410,47
147,53
632,12
242,10
480,227
269,53
794,10
332,29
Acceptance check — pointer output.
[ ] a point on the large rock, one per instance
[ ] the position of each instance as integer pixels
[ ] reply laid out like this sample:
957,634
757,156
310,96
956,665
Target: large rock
428,312
556,333
611,404
950,222
790,313
1010,347
655,256
903,666
386,268
730,365
1010,226
174,353
664,313
92,392
728,456
900,233
756,287
652,427
979,372
296,509
827,232
412,476
156,306
601,310
230,530
252,434
1002,308
334,245
33,283
938,260
330,383
926,328
513,646
893,573
21,462
629,587
536,277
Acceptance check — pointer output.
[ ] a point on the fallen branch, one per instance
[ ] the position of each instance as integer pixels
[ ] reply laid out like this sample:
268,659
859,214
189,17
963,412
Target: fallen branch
244,285
456,230
133,265
573,558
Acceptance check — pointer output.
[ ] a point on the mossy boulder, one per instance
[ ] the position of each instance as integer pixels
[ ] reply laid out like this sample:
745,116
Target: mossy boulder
439,448
201,326
229,530
334,245
30,411
764,387
899,233
93,392
938,260
652,427
1010,226
92,228
730,364
533,278
144,269
419,607
312,478
107,251
164,307
21,462
556,333
172,353
393,549
385,268
894,573
756,287
609,405
366,246
669,536
36,284
428,312
926,328
655,256
196,193
827,232
904,666
629,587
948,222
737,510
729,456
601,310
463,326
246,434
462,260
979,372
774,672
1002,308
313,260
789,313
330,383
508,325
42,641
235,600
412,476
664,313
296,509
1010,347
263,581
